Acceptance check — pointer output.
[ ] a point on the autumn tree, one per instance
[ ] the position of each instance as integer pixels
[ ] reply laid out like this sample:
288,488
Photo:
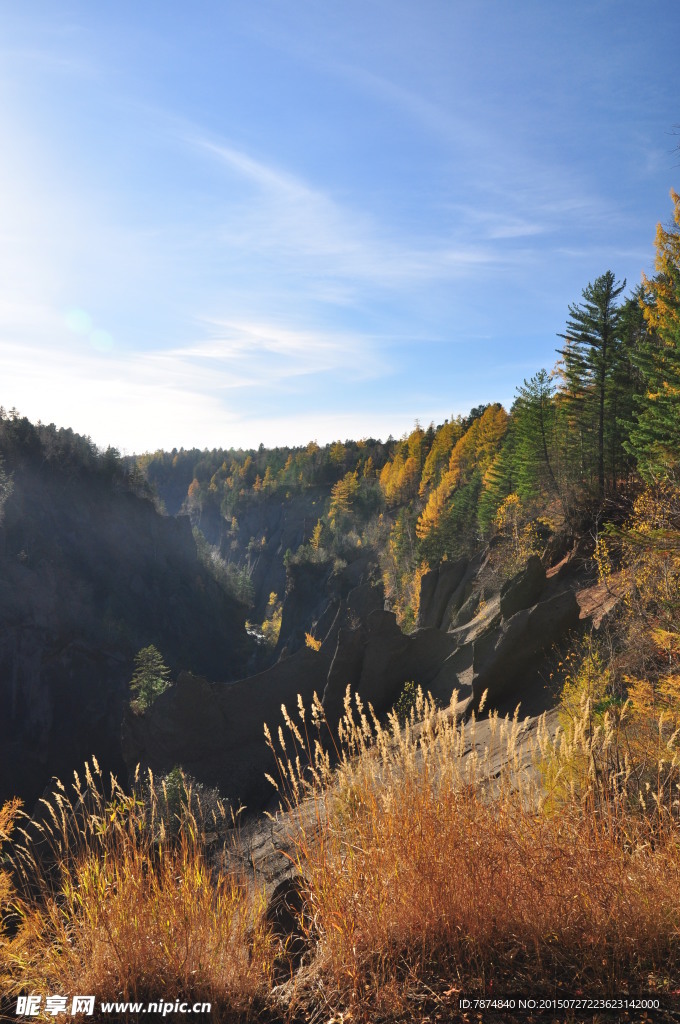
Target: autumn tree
402,570
194,493
655,436
448,522
438,456
343,498
399,478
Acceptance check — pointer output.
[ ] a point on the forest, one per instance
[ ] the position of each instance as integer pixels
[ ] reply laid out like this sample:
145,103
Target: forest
579,444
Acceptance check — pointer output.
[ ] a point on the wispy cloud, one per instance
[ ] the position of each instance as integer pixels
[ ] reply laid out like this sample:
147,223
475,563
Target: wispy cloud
495,223
517,194
281,352
451,128
234,281
292,217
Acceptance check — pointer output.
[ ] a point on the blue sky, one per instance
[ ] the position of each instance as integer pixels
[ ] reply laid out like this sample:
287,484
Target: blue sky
230,222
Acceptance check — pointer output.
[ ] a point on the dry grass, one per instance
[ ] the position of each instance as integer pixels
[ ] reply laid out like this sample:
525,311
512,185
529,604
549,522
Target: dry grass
434,857
426,864
111,906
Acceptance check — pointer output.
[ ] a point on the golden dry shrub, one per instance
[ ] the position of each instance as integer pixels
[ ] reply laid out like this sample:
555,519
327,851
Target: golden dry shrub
435,855
116,907
10,813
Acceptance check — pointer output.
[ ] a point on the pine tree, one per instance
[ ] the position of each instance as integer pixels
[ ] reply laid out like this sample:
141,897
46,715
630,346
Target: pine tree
497,483
575,428
590,356
628,384
534,429
151,677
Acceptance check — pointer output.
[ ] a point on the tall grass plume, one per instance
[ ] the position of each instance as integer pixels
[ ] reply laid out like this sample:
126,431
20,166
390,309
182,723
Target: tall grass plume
113,898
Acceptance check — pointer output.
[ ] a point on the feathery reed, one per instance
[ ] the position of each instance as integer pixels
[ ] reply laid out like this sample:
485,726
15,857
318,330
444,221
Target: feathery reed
452,853
112,902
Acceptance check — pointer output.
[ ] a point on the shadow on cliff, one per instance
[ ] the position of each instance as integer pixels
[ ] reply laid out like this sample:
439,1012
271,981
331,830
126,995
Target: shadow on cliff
90,573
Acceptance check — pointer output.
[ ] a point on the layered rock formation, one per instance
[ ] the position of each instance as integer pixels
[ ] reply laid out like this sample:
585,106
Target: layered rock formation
504,645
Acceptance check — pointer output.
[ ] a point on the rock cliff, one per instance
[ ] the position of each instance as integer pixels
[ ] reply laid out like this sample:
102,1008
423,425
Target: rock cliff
474,638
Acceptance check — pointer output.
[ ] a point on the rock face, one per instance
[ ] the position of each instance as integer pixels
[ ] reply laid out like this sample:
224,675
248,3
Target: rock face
215,730
507,661
376,660
52,648
305,602
89,574
524,589
436,590
315,594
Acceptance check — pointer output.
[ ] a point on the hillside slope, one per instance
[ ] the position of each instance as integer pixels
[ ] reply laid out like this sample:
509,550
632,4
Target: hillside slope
89,574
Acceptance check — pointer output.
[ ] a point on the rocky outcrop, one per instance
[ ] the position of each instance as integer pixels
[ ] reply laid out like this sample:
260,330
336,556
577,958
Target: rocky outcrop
376,659
524,589
436,589
507,656
90,573
509,664
507,639
317,593
306,600
450,595
215,731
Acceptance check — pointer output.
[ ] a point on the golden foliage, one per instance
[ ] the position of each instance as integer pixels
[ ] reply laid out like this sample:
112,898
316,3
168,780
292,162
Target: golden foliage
312,642
629,679
662,309
271,626
518,535
474,451
651,569
432,515
437,460
343,496
316,535
399,478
